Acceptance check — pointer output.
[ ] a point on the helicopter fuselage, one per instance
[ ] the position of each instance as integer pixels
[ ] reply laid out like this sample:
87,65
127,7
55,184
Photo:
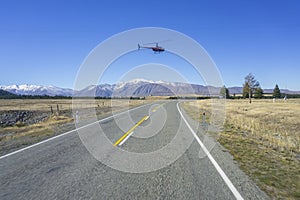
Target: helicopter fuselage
155,48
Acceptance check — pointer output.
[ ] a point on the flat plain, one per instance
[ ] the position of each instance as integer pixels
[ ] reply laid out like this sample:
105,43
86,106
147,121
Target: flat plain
263,137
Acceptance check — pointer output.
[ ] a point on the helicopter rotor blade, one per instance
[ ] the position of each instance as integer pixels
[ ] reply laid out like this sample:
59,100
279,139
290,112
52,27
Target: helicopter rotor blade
163,41
156,43
149,43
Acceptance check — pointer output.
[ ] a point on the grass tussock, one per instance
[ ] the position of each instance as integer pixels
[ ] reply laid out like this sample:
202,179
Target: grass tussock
264,138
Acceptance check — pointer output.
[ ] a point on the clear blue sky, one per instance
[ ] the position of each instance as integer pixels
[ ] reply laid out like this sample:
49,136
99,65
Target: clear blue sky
44,42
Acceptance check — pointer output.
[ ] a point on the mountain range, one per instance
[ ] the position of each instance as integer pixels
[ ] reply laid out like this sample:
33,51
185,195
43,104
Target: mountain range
136,87
27,89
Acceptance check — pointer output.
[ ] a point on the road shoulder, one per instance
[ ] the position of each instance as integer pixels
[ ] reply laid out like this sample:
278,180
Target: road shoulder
247,188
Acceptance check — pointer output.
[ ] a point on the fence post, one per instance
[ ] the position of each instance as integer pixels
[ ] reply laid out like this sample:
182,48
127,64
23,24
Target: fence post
76,117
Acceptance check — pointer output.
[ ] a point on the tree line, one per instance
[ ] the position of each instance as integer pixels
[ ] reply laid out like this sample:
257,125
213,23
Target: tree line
252,89
7,95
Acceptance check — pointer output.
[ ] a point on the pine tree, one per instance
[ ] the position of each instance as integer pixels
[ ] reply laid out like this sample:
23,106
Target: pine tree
276,92
259,93
224,92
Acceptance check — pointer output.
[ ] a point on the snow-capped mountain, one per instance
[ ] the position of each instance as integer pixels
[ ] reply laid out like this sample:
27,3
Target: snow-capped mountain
37,90
136,87
103,90
142,87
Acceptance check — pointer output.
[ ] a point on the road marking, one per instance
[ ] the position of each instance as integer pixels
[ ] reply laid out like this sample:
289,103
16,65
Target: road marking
66,133
156,108
213,161
128,136
130,130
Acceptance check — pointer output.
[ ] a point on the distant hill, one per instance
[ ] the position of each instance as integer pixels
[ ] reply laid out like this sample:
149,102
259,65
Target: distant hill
6,95
136,87
141,87
239,90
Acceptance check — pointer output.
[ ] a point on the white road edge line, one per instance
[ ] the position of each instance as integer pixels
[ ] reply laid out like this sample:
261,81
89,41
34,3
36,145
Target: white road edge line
213,161
121,143
63,134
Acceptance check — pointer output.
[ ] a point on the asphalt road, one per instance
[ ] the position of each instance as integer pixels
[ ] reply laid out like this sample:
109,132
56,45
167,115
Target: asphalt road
63,168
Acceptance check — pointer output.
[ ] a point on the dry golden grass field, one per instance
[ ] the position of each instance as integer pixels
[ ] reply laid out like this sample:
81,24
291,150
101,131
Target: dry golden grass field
264,138
64,104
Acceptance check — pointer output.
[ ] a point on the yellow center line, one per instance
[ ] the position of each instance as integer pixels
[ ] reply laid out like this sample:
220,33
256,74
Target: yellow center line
157,107
130,130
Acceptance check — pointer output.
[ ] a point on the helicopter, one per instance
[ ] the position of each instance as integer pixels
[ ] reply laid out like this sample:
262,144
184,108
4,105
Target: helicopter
155,48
